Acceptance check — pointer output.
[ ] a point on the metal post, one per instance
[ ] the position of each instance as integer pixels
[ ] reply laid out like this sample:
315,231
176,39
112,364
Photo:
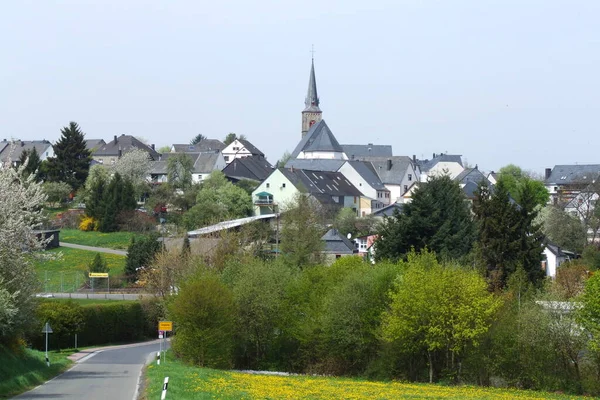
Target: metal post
46,281
92,280
165,347
61,282
47,359
75,341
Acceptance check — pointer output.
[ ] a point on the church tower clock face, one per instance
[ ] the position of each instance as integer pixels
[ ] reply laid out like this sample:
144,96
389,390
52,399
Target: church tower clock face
311,123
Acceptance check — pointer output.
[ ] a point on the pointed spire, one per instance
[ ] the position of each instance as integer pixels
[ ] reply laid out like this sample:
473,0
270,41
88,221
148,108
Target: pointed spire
312,99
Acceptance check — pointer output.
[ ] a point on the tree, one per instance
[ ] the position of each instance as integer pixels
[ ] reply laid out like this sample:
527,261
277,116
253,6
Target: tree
93,192
301,232
285,157
231,137
438,308
140,254
204,314
134,166
345,221
589,313
118,197
98,264
57,192
515,180
197,139
31,160
21,201
437,218
164,149
71,161
563,229
179,171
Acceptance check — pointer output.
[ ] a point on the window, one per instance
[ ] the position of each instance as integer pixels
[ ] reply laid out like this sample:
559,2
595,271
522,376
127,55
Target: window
226,158
409,177
283,185
338,256
354,199
268,185
387,195
405,188
236,148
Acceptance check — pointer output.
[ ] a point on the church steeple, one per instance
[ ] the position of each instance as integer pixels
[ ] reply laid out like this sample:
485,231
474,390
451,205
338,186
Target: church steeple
312,113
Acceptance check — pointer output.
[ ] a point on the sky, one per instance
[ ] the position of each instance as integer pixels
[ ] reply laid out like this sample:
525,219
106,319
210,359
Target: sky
507,81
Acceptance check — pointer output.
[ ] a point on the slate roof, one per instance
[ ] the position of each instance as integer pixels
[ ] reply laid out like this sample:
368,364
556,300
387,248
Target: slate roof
396,173
356,151
202,146
311,103
555,249
9,155
204,163
251,148
93,144
573,174
3,145
470,189
321,182
426,165
315,164
471,175
389,210
125,143
318,138
367,172
256,168
336,243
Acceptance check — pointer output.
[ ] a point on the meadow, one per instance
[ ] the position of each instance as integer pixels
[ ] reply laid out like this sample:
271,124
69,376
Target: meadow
193,383
67,273
112,240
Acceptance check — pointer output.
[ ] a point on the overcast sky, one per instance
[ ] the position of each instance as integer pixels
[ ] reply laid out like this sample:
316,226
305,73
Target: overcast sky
496,81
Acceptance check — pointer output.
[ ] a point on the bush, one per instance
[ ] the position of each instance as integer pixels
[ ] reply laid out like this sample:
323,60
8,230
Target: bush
70,219
204,316
88,224
65,318
136,221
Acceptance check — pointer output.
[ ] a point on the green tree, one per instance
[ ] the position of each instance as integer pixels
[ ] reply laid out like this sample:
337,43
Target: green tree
563,229
118,196
164,149
345,221
57,192
71,161
94,190
285,157
589,313
179,171
438,218
65,318
516,180
231,137
140,254
301,232
31,160
437,308
98,264
204,314
197,139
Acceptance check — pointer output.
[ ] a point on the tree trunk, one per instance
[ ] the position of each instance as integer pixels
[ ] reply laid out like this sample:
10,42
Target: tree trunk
430,367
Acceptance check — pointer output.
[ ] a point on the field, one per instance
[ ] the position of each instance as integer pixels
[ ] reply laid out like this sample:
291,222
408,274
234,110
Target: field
187,383
19,374
66,274
113,240
89,302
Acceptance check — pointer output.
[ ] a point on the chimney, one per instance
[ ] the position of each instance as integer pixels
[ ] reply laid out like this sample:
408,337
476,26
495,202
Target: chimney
22,143
115,139
153,147
476,166
120,152
548,173
414,159
433,155
389,164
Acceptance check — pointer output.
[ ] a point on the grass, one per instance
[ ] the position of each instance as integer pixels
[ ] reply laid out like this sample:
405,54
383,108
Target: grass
187,383
113,240
70,269
24,371
89,302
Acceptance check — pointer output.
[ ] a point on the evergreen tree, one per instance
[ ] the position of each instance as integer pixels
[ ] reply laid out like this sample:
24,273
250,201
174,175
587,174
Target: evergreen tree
71,161
140,254
32,158
118,197
98,264
438,218
530,232
197,139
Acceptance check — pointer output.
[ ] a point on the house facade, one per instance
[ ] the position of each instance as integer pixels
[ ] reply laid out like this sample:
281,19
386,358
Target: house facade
108,153
240,148
10,151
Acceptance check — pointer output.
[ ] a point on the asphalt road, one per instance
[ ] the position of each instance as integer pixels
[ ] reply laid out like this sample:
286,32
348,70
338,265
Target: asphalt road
96,249
109,374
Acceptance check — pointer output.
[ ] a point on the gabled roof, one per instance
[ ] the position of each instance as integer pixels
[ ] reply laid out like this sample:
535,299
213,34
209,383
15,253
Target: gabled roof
391,170
554,249
471,175
251,148
204,163
318,138
202,146
255,167
93,144
357,151
320,182
3,145
470,189
124,143
426,165
367,172
9,155
336,243
315,164
389,210
573,174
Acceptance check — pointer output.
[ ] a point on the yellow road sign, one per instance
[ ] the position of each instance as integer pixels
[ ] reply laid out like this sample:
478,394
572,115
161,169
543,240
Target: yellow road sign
98,274
165,326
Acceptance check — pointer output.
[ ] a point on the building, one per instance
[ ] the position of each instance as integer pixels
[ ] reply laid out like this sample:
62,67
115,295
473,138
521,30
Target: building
565,182
336,245
252,168
554,257
440,164
311,115
205,145
94,144
240,148
203,165
108,153
10,151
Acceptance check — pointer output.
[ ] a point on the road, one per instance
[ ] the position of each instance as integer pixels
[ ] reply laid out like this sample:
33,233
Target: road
96,249
109,374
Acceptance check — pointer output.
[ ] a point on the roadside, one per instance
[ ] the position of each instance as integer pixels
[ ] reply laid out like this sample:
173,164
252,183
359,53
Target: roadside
92,248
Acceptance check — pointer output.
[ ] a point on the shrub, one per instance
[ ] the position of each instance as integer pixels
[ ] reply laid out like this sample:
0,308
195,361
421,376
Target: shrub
136,221
88,224
65,319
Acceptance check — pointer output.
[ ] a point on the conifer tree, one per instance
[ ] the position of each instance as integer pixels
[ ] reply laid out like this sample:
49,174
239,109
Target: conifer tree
71,161
32,158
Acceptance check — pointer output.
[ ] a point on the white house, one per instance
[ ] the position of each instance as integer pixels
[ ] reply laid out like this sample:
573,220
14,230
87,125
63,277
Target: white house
240,148
441,164
204,165
10,151
554,256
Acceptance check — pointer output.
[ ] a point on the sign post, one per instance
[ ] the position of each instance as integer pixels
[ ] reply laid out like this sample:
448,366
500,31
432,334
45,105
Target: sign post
93,275
47,329
163,328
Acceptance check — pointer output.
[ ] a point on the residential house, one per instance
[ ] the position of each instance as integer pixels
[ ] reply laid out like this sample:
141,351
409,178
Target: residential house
565,182
554,256
440,164
94,144
397,173
363,176
365,247
331,189
360,151
108,153
205,145
469,180
389,210
254,168
203,165
10,151
492,177
240,148
336,245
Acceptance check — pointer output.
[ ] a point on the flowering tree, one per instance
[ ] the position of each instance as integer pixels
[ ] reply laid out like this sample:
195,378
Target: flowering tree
21,200
134,166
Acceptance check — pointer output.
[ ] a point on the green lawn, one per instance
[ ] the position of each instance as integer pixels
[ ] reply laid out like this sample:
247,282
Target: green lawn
187,383
113,240
66,274
89,302
27,370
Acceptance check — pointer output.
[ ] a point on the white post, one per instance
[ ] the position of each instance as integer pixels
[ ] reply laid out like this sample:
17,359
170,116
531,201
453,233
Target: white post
165,386
47,359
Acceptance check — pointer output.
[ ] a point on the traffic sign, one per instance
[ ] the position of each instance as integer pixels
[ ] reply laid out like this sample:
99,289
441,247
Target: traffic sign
165,326
47,328
98,275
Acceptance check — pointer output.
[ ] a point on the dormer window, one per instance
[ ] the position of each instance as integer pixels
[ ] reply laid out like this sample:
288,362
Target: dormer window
409,177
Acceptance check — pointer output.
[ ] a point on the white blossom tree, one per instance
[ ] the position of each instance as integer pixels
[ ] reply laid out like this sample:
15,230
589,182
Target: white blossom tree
134,166
21,201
